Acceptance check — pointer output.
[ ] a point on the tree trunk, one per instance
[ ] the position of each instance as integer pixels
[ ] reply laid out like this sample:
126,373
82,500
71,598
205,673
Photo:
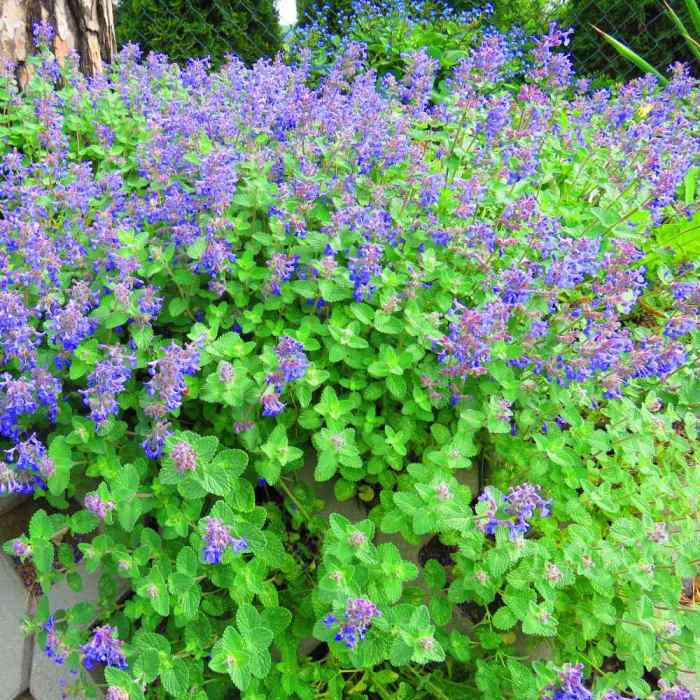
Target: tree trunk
85,26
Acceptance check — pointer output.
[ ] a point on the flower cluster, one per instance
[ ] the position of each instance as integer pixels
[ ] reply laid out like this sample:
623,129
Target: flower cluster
411,267
520,503
167,383
357,619
54,648
27,468
96,505
105,383
184,456
292,364
570,685
104,648
218,539
673,692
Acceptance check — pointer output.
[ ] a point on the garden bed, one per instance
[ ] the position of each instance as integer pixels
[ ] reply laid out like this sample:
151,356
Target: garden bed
354,384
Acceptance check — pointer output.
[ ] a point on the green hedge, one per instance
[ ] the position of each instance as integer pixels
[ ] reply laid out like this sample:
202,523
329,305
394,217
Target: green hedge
184,29
642,25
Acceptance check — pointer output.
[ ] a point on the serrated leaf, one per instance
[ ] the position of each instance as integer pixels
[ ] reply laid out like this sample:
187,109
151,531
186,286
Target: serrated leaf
326,466
175,680
503,618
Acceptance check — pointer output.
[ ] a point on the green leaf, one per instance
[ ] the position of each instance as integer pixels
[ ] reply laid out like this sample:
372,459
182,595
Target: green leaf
229,655
128,513
400,653
503,618
630,55
115,319
126,483
187,561
326,466
694,12
176,679
40,527
177,306
83,522
692,43
42,556
60,453
434,575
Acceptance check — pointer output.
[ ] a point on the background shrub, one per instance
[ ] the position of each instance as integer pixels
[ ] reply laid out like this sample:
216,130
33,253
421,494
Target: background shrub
642,25
184,29
389,31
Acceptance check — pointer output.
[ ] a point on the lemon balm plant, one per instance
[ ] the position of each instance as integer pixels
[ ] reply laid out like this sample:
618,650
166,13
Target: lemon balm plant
223,289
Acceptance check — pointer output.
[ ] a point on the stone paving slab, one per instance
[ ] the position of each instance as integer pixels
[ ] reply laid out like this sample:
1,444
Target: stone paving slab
46,676
15,647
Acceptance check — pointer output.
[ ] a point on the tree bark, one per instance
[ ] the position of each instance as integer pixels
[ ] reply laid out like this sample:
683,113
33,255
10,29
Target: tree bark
83,26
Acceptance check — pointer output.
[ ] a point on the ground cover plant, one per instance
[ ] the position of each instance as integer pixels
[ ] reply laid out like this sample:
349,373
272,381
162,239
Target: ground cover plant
392,30
473,312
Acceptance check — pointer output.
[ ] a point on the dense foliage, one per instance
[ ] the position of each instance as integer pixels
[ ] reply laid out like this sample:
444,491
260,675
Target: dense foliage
184,29
392,30
642,25
221,290
336,13
391,27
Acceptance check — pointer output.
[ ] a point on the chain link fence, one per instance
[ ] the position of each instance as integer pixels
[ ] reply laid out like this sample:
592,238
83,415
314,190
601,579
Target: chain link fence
643,25
196,28
185,29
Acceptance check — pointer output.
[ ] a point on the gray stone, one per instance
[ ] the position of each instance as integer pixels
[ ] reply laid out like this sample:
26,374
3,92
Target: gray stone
46,676
10,502
15,522
15,647
692,683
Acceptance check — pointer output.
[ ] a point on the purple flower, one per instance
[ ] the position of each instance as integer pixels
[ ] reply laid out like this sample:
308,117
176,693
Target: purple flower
54,647
30,455
363,268
466,349
42,33
168,373
673,692
418,78
570,685
97,506
155,442
291,359
521,502
149,304
104,648
218,539
184,456
679,326
272,406
17,398
68,326
21,549
357,619
114,693
12,481
226,372
105,383
217,258
282,267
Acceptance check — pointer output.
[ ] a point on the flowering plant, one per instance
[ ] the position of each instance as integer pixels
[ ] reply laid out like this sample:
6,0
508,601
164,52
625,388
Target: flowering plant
222,290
